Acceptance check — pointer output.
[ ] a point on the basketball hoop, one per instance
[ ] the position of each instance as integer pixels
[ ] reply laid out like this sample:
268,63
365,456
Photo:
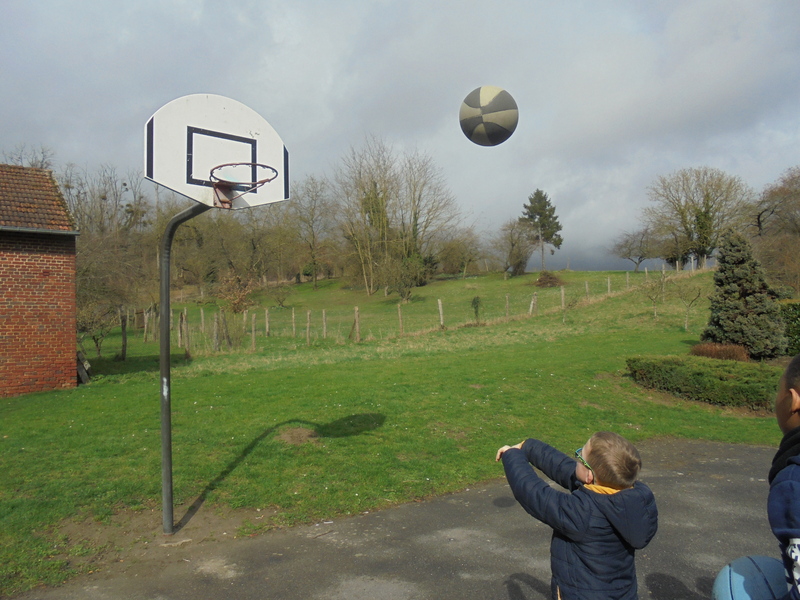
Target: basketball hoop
227,187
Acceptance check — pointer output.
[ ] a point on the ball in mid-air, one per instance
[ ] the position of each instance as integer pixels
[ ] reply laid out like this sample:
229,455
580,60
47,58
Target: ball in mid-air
488,115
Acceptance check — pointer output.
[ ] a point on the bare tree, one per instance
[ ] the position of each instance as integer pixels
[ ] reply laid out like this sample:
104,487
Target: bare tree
776,227
689,293
636,246
40,157
391,211
697,206
459,249
311,210
513,245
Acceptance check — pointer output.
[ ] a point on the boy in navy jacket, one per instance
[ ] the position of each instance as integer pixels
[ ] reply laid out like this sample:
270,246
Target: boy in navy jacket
598,526
783,505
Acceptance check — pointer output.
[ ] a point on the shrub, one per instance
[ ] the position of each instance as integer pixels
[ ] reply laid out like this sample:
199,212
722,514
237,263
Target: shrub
791,319
548,279
721,351
719,382
743,307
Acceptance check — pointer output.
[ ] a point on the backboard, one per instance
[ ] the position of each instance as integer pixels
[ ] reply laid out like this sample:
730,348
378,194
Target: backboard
190,136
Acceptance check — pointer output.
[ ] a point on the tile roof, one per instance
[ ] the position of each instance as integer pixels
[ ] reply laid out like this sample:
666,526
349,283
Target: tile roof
30,199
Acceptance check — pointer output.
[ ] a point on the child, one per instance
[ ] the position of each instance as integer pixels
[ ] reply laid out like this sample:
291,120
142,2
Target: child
598,526
783,506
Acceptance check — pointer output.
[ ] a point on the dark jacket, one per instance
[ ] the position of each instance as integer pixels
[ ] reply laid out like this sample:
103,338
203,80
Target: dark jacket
594,535
783,508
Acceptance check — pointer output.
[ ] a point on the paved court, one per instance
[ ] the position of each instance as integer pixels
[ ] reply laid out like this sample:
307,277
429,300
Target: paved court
476,544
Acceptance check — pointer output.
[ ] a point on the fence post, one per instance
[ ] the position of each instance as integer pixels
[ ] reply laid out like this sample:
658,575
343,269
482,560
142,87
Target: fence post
187,347
294,325
627,280
530,308
215,333
180,329
441,314
400,318
202,319
563,300
266,324
358,326
253,333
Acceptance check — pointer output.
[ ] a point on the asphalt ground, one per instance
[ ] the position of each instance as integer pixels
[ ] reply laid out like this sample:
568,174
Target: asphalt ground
476,544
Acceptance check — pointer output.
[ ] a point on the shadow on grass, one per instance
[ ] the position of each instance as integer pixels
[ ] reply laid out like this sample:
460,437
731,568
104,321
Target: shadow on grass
344,427
134,364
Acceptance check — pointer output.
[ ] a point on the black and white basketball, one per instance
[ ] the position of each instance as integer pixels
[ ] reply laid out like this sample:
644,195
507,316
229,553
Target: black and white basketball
488,115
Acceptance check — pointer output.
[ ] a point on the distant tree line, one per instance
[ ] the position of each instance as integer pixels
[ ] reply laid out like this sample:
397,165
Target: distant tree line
692,209
385,222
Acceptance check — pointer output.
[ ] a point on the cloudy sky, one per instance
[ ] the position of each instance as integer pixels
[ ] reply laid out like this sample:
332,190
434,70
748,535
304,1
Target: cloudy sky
611,94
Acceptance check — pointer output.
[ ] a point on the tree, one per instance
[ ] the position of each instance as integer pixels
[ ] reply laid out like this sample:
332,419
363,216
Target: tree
513,246
39,157
743,307
391,210
311,212
693,207
112,261
543,223
636,246
688,292
460,249
776,226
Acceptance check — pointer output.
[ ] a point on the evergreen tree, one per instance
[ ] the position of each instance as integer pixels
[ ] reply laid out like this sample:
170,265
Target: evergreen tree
540,215
743,307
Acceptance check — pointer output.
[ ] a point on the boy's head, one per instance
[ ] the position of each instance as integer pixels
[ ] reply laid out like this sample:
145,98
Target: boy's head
787,401
614,460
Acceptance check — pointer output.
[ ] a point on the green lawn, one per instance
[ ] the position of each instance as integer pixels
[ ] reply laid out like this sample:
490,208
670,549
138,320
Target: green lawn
397,417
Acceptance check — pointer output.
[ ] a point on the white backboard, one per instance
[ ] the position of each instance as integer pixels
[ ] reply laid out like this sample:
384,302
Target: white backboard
186,138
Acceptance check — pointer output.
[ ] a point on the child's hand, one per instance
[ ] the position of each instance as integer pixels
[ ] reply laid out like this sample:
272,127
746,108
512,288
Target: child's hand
502,450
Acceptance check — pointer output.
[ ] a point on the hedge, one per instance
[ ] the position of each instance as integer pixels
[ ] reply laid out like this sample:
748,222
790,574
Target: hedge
720,382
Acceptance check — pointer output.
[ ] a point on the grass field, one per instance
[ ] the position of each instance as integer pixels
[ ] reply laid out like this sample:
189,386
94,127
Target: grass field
393,418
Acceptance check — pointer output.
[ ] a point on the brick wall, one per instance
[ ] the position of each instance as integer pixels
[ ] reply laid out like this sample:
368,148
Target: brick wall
37,312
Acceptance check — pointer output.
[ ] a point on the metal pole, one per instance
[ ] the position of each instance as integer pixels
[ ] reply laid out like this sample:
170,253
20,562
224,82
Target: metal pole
166,409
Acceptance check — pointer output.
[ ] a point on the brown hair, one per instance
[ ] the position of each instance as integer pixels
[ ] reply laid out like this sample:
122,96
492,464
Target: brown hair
615,461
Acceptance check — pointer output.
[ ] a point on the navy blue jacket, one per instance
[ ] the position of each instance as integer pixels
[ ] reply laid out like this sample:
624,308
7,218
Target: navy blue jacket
594,535
783,508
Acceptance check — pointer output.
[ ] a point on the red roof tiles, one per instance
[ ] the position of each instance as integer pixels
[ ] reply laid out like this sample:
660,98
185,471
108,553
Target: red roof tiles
30,199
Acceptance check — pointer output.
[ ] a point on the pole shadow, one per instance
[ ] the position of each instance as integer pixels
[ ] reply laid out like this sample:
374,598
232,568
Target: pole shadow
666,587
344,427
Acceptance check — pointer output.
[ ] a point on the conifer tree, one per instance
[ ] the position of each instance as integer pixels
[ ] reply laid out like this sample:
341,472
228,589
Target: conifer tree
540,216
743,307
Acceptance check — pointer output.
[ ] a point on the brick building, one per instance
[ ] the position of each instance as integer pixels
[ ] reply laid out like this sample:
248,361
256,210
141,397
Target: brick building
37,284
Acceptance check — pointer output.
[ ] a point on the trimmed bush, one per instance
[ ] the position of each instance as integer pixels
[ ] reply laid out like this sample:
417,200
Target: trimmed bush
720,382
721,351
791,319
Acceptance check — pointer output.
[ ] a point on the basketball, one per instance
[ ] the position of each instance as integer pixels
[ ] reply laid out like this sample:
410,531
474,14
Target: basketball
488,115
750,578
